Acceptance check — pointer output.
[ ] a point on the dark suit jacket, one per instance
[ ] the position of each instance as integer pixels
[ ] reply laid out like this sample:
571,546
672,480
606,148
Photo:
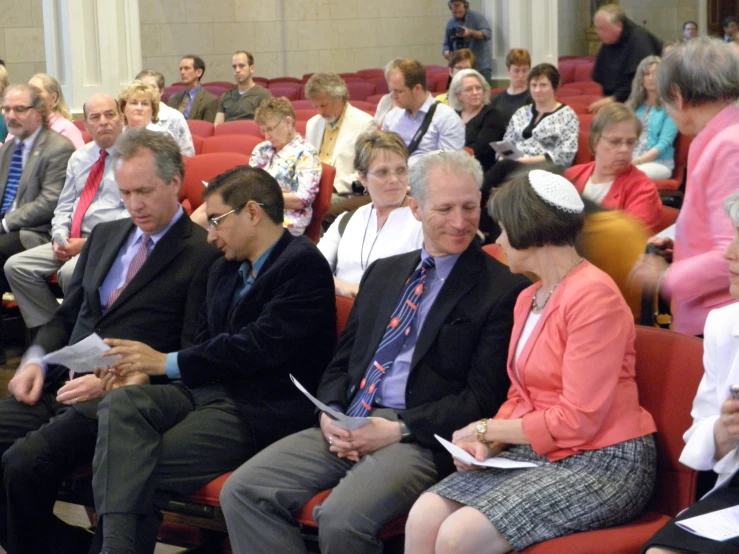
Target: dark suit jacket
159,306
204,105
39,187
285,324
458,371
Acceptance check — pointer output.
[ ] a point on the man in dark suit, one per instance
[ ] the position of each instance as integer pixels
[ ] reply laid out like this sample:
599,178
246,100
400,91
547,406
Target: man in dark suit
270,311
56,418
414,375
33,165
194,102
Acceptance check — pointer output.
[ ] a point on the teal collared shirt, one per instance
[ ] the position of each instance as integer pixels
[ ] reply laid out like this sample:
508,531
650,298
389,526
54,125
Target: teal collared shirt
248,276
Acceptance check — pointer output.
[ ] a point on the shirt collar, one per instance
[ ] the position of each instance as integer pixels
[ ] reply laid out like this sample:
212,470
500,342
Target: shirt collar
155,238
425,107
193,91
244,268
336,124
30,141
443,265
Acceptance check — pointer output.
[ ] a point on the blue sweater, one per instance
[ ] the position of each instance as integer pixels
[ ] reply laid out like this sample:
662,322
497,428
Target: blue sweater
661,131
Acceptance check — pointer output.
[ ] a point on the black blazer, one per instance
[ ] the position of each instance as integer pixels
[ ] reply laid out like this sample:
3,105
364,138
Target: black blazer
158,307
458,372
204,105
285,324
486,127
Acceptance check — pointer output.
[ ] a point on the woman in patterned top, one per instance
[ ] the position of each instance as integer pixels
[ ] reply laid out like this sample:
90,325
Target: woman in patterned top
289,159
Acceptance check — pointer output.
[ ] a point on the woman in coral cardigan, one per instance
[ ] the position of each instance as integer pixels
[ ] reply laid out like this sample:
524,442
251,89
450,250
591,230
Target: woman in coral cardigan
611,180
572,408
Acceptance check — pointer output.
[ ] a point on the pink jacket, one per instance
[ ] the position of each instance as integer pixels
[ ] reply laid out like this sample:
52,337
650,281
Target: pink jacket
698,279
67,129
576,389
632,192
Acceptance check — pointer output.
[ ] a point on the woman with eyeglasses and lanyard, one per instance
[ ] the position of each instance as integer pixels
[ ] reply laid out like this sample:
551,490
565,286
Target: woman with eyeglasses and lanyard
383,228
286,156
612,180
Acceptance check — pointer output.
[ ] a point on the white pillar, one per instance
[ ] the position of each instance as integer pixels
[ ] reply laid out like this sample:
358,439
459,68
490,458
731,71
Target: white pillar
530,24
92,46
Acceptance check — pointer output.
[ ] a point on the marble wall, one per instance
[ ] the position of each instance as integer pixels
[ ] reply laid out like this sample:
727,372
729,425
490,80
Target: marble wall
22,38
291,37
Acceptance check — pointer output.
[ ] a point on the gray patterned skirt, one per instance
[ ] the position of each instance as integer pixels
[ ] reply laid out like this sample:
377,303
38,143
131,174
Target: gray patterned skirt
583,492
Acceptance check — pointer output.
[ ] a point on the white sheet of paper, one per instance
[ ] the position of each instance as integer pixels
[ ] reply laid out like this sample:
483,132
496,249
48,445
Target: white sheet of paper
506,149
720,525
344,421
82,357
464,456
668,233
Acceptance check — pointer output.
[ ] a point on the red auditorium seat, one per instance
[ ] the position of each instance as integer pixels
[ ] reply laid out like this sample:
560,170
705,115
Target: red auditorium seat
197,143
351,77
583,155
200,127
223,84
589,98
585,120
380,84
578,107
667,216
365,106
360,90
284,89
437,69
261,81
304,114
302,105
216,90
584,71
205,167
300,126
371,73
241,127
285,80
566,71
375,98
240,144
682,145
566,92
322,202
87,137
80,124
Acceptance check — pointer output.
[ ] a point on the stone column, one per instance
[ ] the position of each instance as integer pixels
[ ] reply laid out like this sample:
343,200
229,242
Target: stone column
530,24
92,46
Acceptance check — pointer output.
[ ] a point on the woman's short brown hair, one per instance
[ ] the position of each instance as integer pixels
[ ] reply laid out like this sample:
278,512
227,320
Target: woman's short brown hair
462,55
137,88
527,219
611,114
371,143
545,70
274,108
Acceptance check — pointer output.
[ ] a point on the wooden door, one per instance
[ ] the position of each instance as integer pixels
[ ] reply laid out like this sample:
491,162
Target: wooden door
717,10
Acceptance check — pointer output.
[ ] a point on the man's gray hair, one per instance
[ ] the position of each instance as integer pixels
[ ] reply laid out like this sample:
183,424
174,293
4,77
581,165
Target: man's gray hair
615,13
392,64
167,156
731,207
328,84
703,70
456,87
452,162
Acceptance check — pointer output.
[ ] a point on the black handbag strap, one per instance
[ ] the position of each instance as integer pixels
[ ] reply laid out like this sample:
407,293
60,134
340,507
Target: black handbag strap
422,129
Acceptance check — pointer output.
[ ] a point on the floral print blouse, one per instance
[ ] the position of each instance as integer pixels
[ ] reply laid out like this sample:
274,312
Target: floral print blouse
298,170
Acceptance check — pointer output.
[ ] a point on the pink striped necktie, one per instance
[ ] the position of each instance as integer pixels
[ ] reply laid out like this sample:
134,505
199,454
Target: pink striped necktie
133,268
94,178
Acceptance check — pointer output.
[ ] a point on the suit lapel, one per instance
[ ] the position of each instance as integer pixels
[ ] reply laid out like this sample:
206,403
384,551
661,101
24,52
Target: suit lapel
6,157
196,102
456,286
108,252
30,168
168,248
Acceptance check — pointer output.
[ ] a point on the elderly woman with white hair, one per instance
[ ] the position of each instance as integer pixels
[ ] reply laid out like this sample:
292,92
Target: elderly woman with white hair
712,442
699,83
469,96
57,108
654,153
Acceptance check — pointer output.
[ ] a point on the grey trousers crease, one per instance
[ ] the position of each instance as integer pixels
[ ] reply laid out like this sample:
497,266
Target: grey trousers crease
260,498
27,272
166,438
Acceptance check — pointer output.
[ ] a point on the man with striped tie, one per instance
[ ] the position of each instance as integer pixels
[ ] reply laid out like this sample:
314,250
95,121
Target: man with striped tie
90,196
424,350
33,164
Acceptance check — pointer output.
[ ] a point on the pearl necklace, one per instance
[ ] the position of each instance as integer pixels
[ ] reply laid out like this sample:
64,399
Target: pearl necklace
538,309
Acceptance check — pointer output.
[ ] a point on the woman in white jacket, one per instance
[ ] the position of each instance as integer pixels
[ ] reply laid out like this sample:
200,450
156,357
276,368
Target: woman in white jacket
712,442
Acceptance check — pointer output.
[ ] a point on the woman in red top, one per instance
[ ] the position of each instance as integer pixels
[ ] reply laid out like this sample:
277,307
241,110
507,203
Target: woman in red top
612,180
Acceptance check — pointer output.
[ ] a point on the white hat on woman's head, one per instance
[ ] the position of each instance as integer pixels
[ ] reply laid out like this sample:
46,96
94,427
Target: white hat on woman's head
556,191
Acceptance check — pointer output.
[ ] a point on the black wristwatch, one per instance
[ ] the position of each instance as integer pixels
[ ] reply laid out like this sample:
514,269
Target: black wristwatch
405,433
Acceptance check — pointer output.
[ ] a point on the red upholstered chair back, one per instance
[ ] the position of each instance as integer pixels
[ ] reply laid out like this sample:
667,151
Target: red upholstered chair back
286,90
669,366
360,90
667,215
302,105
241,144
584,71
205,167
369,107
343,308
87,137
197,143
370,73
322,201
304,113
583,154
243,127
200,127
682,146
222,84
283,80
80,124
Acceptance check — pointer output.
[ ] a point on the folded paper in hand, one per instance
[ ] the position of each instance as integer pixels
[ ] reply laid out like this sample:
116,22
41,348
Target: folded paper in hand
82,357
506,150
720,525
467,458
341,420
